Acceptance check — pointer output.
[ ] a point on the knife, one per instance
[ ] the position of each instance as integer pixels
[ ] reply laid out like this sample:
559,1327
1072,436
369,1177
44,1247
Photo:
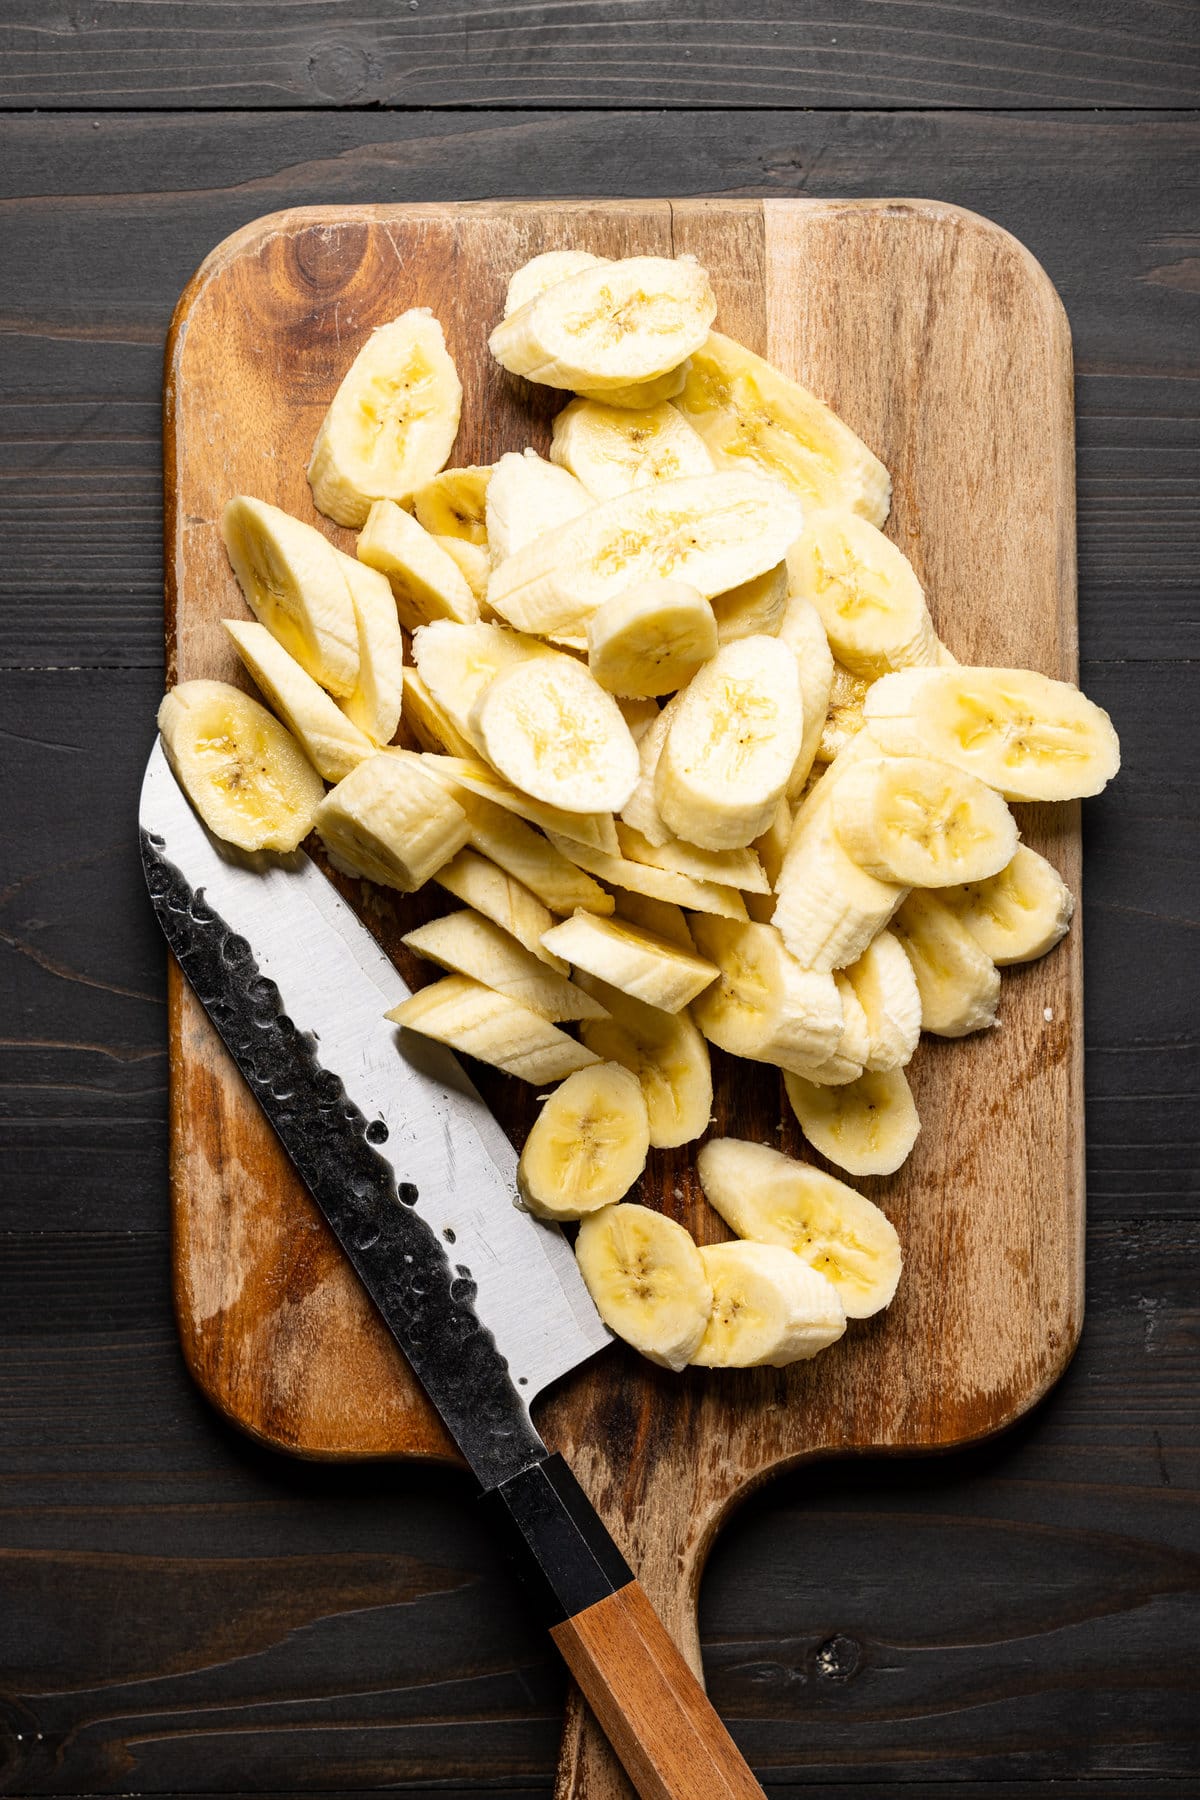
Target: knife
418,1184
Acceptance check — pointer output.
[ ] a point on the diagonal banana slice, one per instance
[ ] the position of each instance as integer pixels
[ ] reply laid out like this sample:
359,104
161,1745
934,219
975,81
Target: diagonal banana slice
886,988
640,811
391,822
529,857
377,700
545,271
1027,736
594,831
392,422
662,917
426,582
769,1308
959,985
457,663
655,884
1020,913
552,731
508,903
465,943
588,1145
332,744
609,325
651,639
772,1199
731,746
865,589
844,719
764,1005
429,723
454,504
242,770
528,497
804,635
922,823
492,1028
866,1127
667,1054
647,1281
739,869
474,564
294,585
755,608
627,957
612,449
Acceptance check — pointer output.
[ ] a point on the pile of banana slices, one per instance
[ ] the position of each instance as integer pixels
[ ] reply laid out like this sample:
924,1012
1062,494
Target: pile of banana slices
685,746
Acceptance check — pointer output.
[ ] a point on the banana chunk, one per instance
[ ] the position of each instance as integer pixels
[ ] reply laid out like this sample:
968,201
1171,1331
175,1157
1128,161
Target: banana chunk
242,770
769,1308
391,822
545,271
651,639
507,902
647,1280
627,957
754,608
526,498
609,325
331,742
465,943
886,988
457,663
1027,736
959,985
612,449
730,868
551,730
764,1005
588,1145
1019,914
731,746
492,1028
865,589
804,635
866,1127
427,583
922,823
772,1199
378,697
664,1050
654,884
454,504
392,422
294,585
589,830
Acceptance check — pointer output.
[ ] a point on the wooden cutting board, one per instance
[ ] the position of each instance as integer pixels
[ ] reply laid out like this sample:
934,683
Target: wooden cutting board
942,342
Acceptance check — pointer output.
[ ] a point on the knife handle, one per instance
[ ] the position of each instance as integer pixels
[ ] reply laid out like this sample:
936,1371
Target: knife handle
654,1712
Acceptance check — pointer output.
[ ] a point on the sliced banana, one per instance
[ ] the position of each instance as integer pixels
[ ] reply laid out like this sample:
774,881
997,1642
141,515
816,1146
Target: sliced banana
588,1145
242,770
492,1028
474,564
551,730
750,415
864,587
609,325
430,723
647,1281
959,985
886,988
772,1199
528,497
769,1308
770,849
594,831
545,271
466,943
1020,913
641,396
391,822
667,1054
731,746
662,917
426,582
458,662
739,869
651,639
377,701
479,883
639,713
754,608
764,1005
804,635
294,585
632,959
656,884
454,504
611,449
331,743
866,1127
392,422
922,823
1027,736
529,857
844,718
640,811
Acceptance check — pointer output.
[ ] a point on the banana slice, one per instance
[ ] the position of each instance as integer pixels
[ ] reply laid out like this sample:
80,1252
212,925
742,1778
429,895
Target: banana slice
647,1281
508,903
662,917
609,325
391,822
528,497
553,732
922,823
651,639
331,743
378,697
769,1308
430,723
588,1145
828,909
656,884
492,1028
845,718
750,415
959,985
454,504
1029,737
866,1127
755,608
764,1006
641,396
731,868
426,582
393,420
458,662
639,713
886,989
474,564
667,1054
594,831
529,857
864,587
804,635
611,449
640,811
629,958
243,771
712,531
1020,913
545,271
466,943
770,849
731,747
294,585
772,1199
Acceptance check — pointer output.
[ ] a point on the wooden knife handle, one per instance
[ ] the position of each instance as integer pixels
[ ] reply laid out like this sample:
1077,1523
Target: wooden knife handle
656,1715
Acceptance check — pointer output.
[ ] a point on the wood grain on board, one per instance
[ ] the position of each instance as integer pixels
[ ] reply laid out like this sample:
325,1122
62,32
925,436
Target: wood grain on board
941,341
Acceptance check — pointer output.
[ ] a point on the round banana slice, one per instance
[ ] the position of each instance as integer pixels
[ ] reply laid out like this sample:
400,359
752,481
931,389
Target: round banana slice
426,582
647,1281
804,635
866,1127
378,696
870,601
666,1053
294,585
391,821
552,731
764,1005
640,396
1019,914
545,271
772,1199
731,747
244,773
454,504
393,420
754,608
331,743
651,639
769,1308
886,989
1029,737
609,325
527,497
588,1144
922,823
612,449
456,663
958,983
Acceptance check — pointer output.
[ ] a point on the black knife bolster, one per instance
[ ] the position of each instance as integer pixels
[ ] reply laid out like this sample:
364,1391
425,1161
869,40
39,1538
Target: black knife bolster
566,1554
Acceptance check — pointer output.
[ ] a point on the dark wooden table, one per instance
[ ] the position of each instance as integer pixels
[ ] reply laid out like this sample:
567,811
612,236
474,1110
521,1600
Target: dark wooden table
183,1614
